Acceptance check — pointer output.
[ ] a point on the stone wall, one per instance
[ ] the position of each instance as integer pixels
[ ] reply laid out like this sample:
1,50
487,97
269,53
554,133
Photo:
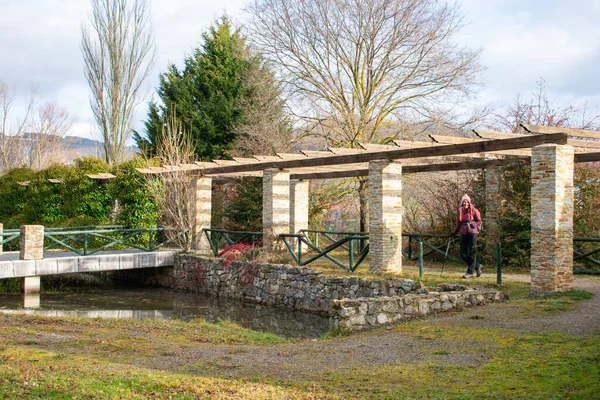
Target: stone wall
385,216
276,205
552,197
356,314
279,285
32,242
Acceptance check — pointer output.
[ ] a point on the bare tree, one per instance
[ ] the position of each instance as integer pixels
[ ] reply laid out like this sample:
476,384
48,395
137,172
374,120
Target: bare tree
540,110
264,129
117,62
365,70
174,191
33,139
356,66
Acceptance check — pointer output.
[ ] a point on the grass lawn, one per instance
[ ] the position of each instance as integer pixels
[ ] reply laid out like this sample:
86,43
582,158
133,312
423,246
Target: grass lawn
65,358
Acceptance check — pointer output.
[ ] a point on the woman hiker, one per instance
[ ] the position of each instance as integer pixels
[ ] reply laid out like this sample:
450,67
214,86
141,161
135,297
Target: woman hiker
469,223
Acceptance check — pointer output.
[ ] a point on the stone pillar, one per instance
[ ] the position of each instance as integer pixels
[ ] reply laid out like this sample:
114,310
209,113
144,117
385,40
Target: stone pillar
32,242
276,204
298,205
202,213
551,219
31,289
385,216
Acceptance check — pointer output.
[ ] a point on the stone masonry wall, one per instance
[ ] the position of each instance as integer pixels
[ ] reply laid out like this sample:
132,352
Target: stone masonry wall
298,205
551,219
279,285
32,242
385,216
202,212
356,314
276,204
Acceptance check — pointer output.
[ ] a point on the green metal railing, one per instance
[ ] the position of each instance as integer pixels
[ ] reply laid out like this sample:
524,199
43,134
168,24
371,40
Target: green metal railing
350,243
427,241
586,256
333,237
91,240
219,238
10,235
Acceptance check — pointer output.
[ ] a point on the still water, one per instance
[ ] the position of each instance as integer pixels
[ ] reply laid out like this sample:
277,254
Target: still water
151,303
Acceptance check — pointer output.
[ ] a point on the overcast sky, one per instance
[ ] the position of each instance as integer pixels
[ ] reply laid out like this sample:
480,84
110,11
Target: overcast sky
521,41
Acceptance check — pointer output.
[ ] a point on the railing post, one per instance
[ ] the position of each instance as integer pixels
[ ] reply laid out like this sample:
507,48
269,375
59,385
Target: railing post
498,263
317,239
1,238
409,247
299,250
421,269
351,253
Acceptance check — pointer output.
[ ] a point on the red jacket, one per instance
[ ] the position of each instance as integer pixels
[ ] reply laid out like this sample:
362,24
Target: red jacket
465,216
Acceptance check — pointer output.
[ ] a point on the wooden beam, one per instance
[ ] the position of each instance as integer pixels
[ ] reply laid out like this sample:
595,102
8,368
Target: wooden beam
437,151
585,133
412,169
588,144
455,140
587,157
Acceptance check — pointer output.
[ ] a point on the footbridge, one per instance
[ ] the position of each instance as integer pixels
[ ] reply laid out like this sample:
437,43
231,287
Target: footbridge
83,250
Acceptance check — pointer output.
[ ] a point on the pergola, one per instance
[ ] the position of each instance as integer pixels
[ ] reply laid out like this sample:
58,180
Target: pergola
551,152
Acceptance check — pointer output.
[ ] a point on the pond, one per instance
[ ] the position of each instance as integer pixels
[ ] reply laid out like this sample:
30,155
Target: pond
152,303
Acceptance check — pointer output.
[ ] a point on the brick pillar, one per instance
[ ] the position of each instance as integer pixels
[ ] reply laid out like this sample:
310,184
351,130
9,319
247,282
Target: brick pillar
492,206
551,219
298,205
32,242
276,204
202,213
385,216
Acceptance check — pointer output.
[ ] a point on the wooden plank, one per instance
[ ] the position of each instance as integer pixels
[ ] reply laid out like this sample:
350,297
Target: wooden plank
310,153
243,160
205,164
438,151
588,144
342,150
226,162
291,156
267,158
408,144
569,131
101,176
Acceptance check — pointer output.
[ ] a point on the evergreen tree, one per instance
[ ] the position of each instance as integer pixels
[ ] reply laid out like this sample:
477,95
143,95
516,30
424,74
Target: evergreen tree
211,94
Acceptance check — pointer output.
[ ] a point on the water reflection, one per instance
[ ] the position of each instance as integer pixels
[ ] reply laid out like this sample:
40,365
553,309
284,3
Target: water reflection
162,304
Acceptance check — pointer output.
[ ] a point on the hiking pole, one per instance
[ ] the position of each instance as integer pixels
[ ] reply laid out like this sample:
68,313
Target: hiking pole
446,255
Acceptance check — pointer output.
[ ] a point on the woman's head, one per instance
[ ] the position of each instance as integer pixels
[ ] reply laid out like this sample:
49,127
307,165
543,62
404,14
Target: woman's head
465,201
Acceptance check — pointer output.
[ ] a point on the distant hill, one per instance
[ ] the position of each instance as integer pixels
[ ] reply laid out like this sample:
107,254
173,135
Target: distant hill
77,147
